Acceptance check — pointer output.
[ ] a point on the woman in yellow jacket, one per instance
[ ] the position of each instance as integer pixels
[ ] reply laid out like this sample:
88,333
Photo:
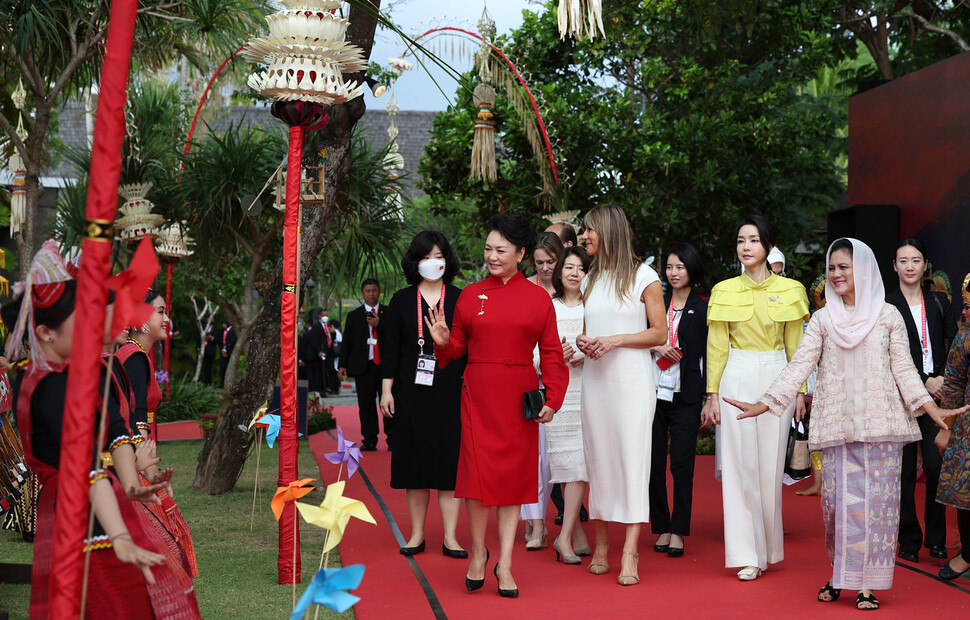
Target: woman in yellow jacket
755,325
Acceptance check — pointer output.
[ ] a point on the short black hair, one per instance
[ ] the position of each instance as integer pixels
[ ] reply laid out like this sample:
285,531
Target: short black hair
568,233
54,315
573,250
916,243
421,246
691,258
369,281
766,232
335,323
516,230
840,244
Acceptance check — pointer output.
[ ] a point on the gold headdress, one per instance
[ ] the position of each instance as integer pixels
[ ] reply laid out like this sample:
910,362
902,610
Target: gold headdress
966,293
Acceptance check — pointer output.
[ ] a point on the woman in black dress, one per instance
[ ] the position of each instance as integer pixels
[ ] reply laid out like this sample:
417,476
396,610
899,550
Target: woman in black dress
424,400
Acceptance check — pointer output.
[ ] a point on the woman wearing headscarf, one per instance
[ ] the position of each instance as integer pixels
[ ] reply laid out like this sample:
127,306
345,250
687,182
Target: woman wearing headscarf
864,410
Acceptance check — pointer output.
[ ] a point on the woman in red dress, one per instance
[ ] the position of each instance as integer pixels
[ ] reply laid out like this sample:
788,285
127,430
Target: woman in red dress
138,359
496,324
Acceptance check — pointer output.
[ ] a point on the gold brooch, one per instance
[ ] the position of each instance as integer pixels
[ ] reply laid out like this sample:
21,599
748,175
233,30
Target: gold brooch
483,297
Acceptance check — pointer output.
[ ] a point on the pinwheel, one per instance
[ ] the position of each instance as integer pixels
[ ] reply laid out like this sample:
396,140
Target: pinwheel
327,589
271,423
259,413
284,495
130,286
347,452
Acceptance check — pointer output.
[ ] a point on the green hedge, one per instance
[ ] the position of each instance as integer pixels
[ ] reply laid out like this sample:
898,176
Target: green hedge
188,401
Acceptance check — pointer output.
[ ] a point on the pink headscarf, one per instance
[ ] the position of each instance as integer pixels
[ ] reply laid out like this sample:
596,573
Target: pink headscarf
849,328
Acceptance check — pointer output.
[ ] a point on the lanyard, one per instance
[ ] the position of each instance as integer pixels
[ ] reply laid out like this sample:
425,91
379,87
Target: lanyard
672,333
924,335
441,307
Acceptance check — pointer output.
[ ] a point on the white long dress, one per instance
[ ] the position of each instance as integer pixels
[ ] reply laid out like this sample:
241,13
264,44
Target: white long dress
564,435
619,398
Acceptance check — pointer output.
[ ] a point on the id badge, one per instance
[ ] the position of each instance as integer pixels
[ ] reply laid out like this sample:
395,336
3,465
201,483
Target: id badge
372,341
424,375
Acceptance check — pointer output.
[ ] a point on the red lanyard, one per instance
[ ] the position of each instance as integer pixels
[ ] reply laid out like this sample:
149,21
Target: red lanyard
925,339
672,333
441,307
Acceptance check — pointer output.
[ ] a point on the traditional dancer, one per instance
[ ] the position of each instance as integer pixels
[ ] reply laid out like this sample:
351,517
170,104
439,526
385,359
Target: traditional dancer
139,363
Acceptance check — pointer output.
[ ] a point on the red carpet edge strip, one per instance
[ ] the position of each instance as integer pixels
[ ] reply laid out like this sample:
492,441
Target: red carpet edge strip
439,612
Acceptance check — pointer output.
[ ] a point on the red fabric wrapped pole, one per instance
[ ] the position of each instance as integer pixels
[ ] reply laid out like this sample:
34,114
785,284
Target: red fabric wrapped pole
298,115
70,522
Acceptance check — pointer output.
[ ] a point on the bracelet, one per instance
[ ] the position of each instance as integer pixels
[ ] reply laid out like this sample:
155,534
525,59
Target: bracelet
123,534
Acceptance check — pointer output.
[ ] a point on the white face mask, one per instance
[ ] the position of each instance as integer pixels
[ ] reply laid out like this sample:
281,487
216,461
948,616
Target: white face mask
432,269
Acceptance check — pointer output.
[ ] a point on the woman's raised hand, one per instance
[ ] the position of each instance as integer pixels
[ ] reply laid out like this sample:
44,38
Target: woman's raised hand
437,327
747,409
939,415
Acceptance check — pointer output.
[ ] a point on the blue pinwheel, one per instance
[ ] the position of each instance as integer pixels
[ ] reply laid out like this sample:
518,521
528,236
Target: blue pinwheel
271,422
347,452
327,589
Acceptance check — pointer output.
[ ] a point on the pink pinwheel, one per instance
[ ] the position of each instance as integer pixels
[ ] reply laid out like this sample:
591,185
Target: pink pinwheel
347,452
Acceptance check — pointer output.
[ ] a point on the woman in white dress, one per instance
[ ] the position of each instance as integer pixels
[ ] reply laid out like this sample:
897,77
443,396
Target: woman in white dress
564,435
544,258
624,315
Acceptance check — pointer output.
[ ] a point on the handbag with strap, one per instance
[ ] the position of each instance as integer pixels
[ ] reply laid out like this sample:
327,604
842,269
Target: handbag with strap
798,458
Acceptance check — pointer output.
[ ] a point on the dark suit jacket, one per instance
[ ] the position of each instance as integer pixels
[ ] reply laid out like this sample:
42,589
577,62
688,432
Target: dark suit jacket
692,342
354,348
940,322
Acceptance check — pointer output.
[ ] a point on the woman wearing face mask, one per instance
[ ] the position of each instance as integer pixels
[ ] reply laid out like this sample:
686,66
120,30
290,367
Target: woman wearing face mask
424,400
544,258
866,398
755,322
930,330
126,578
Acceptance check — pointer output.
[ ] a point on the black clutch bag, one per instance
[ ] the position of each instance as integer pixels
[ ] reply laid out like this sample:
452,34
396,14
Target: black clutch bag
532,402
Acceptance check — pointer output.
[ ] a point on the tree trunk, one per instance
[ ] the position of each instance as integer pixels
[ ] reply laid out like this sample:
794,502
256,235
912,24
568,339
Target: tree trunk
33,166
224,455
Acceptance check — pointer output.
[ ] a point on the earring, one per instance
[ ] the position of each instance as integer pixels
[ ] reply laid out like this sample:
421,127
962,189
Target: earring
144,327
50,339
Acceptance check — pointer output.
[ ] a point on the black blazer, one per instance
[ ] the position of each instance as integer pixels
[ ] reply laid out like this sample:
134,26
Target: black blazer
354,348
692,342
940,322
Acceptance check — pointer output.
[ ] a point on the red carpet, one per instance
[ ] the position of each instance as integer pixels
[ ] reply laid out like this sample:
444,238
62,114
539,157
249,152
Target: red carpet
172,431
697,583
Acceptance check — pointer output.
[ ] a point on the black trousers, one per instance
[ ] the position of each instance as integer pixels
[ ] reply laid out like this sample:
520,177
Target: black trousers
963,526
207,369
682,421
911,537
368,403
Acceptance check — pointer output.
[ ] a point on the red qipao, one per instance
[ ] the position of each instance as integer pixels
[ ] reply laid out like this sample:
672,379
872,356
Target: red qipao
499,325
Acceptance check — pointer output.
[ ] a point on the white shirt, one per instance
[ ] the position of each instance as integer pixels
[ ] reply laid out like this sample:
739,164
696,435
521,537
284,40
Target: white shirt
370,331
917,312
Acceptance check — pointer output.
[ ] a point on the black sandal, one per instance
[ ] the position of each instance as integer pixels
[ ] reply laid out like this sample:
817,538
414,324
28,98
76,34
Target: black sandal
834,593
870,599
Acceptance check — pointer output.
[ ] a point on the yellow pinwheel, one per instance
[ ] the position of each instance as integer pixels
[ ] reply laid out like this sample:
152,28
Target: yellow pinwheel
334,513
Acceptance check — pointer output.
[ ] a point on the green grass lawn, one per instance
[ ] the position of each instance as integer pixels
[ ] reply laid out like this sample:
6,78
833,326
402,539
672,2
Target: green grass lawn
237,566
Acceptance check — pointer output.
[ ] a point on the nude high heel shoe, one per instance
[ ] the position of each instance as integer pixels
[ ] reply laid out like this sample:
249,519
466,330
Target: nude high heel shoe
630,580
600,569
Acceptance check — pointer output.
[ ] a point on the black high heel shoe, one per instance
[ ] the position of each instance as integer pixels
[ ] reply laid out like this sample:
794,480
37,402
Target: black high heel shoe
476,584
513,593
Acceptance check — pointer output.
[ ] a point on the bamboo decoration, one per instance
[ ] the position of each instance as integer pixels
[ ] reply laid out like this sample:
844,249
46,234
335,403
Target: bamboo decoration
483,148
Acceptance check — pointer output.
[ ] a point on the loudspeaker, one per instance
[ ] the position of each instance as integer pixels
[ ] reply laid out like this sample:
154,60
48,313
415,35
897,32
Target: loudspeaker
875,225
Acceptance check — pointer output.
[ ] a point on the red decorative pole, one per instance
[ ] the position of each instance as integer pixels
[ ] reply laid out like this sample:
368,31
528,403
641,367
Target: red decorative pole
71,516
168,337
301,81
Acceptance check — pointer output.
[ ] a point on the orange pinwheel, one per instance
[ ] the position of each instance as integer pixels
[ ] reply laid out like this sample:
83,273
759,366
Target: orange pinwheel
292,491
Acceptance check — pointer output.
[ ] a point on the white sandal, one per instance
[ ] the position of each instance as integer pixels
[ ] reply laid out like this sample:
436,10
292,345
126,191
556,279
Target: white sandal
749,573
